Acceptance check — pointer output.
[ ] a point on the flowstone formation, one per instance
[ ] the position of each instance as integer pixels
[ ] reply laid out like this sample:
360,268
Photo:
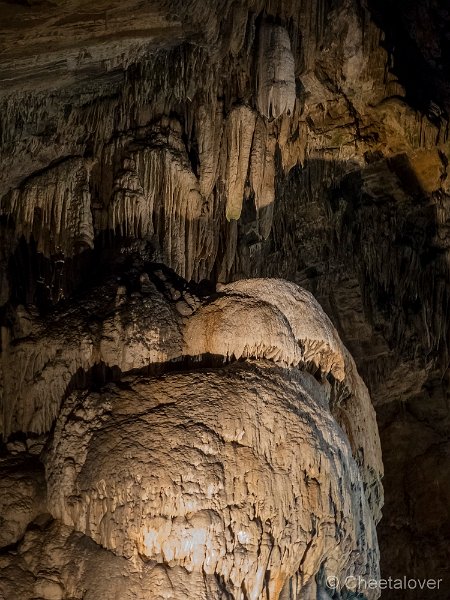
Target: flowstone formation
171,147
230,452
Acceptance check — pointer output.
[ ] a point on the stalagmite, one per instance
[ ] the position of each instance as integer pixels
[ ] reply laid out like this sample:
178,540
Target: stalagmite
117,331
213,486
240,472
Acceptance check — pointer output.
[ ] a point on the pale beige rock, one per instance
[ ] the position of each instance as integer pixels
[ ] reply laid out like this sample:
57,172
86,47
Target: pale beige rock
22,496
238,136
55,209
240,472
55,560
276,72
269,319
127,332
256,475
277,320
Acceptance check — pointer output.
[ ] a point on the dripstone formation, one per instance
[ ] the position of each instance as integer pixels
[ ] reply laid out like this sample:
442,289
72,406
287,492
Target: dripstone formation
183,186
244,466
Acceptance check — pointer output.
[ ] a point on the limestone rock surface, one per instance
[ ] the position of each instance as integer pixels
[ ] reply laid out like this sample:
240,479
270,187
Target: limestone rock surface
23,495
228,140
241,473
276,72
241,479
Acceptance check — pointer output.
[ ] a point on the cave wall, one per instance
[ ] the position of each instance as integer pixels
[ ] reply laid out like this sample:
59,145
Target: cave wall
227,141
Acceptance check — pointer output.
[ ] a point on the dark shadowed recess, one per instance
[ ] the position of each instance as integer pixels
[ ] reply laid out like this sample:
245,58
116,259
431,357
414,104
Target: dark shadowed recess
418,39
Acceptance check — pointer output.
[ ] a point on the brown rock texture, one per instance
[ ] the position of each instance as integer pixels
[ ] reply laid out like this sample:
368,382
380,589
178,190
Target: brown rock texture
183,184
233,473
243,480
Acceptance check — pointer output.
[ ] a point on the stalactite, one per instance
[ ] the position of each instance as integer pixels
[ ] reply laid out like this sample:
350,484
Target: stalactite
54,209
239,129
276,77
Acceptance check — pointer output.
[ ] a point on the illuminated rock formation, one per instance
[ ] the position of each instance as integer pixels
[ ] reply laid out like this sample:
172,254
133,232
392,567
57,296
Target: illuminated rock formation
177,178
247,479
